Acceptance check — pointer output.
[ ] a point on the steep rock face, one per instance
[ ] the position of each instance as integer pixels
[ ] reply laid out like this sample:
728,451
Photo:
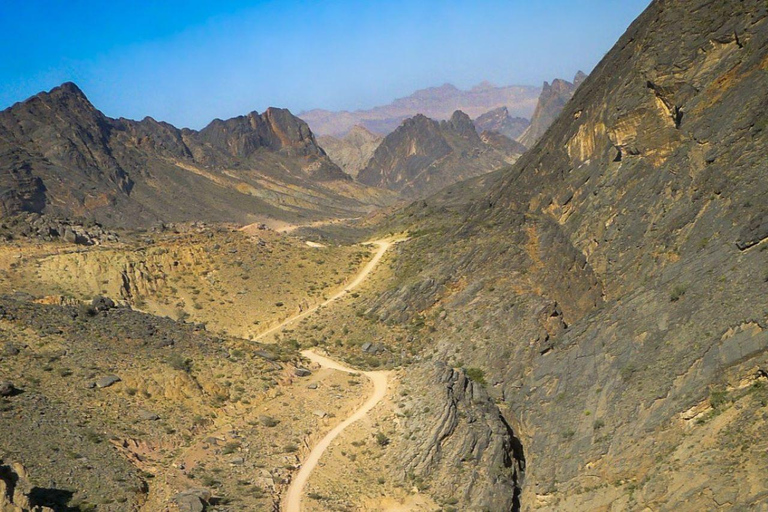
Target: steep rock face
612,283
60,155
424,155
435,102
551,102
353,151
498,120
468,451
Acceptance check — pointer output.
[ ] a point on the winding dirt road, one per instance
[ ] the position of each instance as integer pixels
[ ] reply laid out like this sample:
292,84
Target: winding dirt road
383,245
292,498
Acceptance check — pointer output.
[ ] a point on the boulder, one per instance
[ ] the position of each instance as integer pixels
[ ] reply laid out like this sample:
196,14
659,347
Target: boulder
107,381
192,500
9,349
148,415
101,303
6,388
302,372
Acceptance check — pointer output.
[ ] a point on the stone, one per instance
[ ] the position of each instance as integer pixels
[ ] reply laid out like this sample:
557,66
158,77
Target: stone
312,386
265,355
192,500
101,303
320,414
107,381
9,349
302,372
6,388
366,346
148,415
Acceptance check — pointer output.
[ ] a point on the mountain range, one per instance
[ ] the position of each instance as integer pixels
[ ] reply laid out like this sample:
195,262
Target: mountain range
424,155
438,103
60,155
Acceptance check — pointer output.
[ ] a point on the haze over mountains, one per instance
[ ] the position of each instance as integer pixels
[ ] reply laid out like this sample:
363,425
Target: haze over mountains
575,320
438,103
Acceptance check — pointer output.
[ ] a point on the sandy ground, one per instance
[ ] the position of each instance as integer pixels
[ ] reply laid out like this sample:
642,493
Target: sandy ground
383,245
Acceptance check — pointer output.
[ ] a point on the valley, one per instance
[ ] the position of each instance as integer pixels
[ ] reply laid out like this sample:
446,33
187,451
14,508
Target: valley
505,299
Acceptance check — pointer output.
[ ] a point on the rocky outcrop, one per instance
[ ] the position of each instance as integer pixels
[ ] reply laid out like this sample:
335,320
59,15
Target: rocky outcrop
611,284
435,102
424,155
465,451
551,102
353,151
59,155
17,494
500,121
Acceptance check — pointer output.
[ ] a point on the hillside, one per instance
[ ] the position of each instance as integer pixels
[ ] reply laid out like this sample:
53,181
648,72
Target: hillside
59,155
435,102
610,288
423,155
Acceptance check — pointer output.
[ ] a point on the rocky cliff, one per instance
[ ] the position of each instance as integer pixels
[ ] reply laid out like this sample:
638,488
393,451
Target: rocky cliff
551,102
424,155
611,286
60,155
500,121
353,151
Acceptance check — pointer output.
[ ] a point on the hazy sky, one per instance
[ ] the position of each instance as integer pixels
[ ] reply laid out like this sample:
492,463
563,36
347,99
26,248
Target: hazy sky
189,61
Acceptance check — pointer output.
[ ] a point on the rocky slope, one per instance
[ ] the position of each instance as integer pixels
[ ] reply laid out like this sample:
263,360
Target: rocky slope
551,102
434,102
500,121
611,286
352,151
60,155
424,155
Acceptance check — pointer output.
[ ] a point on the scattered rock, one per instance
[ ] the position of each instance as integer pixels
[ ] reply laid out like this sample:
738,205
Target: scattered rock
237,461
107,381
320,414
302,372
312,386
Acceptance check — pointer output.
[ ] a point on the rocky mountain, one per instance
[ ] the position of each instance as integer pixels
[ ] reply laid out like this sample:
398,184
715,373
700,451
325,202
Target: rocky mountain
610,287
352,151
59,155
434,102
424,155
498,120
551,102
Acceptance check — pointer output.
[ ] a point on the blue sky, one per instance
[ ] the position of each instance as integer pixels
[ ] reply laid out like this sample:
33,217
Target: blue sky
187,62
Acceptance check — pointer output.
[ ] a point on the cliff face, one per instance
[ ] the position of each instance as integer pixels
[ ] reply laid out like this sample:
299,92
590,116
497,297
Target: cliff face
500,121
423,156
551,102
353,151
612,283
60,155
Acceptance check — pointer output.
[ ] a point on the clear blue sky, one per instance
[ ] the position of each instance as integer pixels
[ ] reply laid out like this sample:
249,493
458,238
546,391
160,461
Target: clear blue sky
189,61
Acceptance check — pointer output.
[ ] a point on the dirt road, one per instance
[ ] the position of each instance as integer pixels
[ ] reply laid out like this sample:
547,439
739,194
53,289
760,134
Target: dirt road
382,245
292,498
